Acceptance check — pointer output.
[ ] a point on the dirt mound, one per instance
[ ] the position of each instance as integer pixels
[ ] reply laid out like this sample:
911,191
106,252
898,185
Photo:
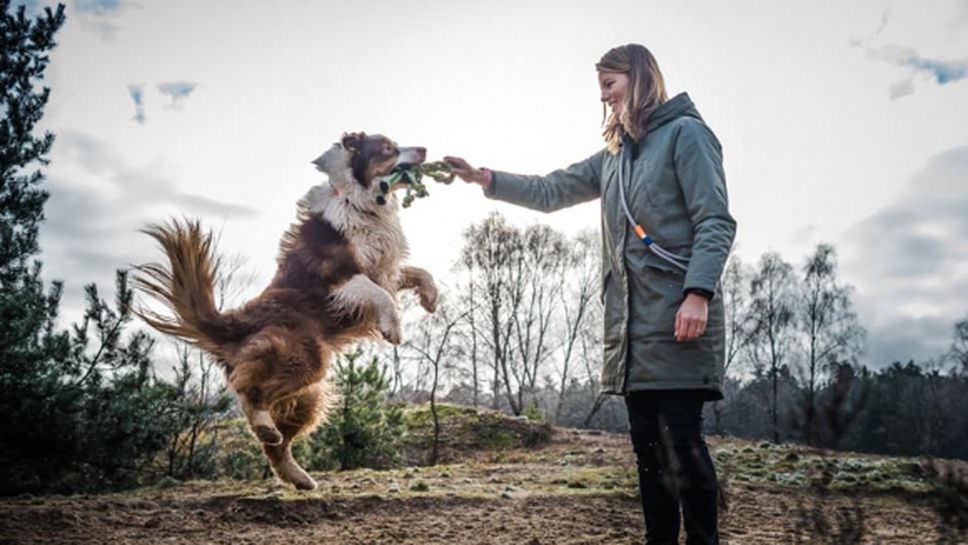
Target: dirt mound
468,433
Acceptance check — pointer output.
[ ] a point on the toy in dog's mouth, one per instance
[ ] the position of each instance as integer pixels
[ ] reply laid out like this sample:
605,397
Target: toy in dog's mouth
410,176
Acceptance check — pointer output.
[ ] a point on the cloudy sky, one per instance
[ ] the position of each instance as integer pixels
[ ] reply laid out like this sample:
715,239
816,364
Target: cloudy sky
842,122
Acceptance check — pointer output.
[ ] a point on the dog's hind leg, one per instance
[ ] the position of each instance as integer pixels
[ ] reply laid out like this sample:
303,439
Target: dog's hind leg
285,466
246,379
295,417
275,369
259,418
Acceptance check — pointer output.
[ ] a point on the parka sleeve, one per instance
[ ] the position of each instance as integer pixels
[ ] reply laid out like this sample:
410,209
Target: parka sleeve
699,167
578,183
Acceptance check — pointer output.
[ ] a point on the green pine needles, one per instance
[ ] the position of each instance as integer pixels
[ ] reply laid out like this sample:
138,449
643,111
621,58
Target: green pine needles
363,428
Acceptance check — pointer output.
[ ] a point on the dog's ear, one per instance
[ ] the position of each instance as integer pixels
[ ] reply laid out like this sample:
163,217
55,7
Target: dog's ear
353,141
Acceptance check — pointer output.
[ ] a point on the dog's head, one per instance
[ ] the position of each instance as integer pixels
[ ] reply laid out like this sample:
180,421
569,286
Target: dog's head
361,158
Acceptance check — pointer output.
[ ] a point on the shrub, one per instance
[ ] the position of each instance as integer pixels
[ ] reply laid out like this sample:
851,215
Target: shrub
363,430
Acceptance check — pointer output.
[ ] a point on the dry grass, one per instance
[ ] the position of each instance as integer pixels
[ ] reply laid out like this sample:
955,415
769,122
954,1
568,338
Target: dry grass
572,487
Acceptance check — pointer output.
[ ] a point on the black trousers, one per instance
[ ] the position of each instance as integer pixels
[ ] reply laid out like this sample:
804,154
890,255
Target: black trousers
674,466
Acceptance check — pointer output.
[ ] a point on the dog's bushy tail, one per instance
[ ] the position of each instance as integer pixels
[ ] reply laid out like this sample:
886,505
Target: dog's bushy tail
186,288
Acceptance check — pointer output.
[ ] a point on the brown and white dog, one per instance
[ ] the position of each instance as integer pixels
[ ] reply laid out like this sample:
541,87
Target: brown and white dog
339,270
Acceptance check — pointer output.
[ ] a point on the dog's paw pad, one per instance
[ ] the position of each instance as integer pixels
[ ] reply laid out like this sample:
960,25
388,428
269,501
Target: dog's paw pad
267,435
392,336
428,300
390,330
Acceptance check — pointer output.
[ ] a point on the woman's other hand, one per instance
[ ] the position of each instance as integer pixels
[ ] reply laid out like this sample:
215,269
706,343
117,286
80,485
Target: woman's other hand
691,318
466,172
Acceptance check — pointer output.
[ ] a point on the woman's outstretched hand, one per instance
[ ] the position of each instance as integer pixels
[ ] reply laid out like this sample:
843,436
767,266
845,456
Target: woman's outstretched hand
465,171
691,318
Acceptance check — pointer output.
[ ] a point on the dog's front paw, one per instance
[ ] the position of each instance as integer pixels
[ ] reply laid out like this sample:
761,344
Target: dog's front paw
390,329
428,297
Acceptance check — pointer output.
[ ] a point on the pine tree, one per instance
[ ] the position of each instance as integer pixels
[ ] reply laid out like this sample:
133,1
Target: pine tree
82,408
26,313
363,430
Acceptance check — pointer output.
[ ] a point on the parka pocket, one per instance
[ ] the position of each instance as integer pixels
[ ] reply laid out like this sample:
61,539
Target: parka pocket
662,268
657,266
657,297
668,280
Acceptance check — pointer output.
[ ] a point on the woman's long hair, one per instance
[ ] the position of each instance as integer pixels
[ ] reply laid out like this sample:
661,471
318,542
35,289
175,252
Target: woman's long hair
646,92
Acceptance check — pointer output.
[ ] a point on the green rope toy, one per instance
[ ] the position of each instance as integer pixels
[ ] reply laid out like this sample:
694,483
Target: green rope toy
440,171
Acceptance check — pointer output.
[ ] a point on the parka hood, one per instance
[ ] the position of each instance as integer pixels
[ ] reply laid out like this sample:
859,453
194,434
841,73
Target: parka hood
677,106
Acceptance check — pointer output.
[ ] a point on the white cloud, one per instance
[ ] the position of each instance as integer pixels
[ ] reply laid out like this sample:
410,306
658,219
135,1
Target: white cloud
910,262
806,234
960,20
99,17
98,202
901,88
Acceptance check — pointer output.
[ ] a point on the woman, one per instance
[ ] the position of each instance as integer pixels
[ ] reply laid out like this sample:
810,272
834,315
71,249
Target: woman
664,337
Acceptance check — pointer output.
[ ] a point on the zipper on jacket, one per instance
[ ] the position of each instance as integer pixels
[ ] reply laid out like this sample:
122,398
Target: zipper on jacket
626,154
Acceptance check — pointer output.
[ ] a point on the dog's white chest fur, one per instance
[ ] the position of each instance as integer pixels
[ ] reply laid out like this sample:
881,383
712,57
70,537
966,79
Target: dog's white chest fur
373,231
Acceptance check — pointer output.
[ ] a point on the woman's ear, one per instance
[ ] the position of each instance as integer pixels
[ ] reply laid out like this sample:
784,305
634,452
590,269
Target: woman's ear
353,141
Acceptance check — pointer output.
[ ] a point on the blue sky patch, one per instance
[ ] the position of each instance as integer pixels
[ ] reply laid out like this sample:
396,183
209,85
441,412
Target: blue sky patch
944,72
137,95
177,90
97,7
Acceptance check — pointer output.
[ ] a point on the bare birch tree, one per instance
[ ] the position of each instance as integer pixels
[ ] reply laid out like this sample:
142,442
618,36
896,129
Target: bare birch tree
434,342
491,255
517,277
739,321
578,302
829,329
771,342
543,263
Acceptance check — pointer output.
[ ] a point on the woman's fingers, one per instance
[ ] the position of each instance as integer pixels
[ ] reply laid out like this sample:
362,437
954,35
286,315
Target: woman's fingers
458,164
463,169
455,161
691,319
697,328
689,328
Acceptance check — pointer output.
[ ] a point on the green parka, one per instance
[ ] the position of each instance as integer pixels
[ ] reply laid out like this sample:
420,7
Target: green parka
676,190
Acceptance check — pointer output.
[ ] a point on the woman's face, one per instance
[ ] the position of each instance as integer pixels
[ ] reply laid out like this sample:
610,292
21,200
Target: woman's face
613,86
